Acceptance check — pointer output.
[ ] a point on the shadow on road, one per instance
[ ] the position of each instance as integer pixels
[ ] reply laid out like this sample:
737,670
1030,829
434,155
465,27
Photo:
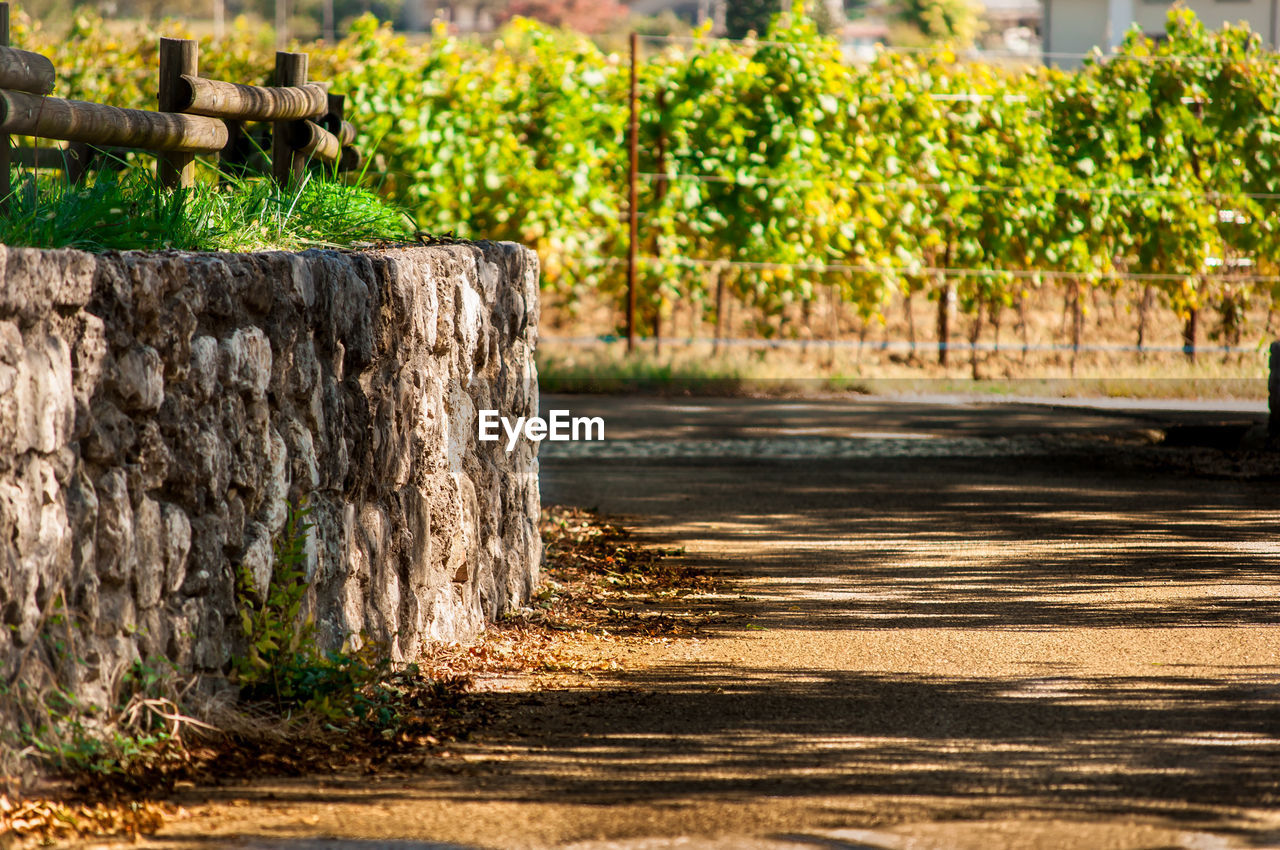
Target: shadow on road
1032,615
1121,745
1169,747
959,543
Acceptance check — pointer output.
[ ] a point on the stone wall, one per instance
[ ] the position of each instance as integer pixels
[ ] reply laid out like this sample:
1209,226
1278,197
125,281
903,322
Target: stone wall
158,413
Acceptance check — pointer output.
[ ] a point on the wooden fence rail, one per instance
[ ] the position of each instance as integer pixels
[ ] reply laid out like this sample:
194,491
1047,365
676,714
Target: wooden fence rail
24,71
196,116
345,132
47,117
216,99
310,139
350,159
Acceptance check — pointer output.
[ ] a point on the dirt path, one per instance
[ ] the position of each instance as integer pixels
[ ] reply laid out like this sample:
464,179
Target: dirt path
975,643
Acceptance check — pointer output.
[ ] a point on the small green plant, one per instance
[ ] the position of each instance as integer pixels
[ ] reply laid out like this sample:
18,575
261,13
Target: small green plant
140,735
282,665
137,740
276,634
44,724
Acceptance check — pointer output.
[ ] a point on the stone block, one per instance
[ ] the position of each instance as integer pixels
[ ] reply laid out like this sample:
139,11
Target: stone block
148,536
116,554
246,361
139,379
176,546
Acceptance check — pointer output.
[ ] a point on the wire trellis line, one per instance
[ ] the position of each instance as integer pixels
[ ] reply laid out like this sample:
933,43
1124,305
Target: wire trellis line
907,345
1260,57
952,188
899,271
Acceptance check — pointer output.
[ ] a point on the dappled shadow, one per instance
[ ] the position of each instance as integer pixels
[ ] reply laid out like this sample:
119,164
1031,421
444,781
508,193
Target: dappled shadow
843,563
1123,744
1176,746
942,543
1044,544
327,844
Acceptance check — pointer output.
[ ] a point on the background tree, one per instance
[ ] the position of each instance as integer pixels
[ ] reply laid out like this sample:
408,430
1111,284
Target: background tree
828,18
1152,176
958,21
745,16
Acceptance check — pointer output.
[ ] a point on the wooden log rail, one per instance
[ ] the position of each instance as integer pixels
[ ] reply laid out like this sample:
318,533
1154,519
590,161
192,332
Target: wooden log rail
351,160
25,114
346,132
216,99
24,71
312,140
197,115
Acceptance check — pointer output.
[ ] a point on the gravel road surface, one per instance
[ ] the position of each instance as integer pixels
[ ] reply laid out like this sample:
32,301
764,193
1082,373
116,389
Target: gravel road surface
952,625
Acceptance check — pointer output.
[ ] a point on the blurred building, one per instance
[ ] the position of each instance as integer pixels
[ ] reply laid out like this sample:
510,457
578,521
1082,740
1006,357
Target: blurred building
463,16
859,39
698,12
466,16
1074,27
1003,15
1014,26
694,11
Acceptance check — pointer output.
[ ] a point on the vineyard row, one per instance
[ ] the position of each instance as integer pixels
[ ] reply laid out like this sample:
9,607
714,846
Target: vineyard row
768,163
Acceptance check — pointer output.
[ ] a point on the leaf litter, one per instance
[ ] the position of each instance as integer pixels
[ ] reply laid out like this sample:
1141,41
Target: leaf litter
601,594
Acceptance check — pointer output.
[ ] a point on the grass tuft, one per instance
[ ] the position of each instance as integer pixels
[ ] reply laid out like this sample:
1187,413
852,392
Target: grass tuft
131,211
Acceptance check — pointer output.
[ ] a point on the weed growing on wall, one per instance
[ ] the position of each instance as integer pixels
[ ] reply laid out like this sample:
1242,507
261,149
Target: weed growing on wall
157,728
284,670
132,741
277,636
282,666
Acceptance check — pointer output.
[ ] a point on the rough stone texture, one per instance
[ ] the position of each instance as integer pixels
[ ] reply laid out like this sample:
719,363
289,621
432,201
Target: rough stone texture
158,412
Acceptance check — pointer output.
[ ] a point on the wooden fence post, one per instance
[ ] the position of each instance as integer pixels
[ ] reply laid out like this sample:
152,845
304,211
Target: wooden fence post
633,215
6,187
337,113
178,56
659,193
77,156
333,122
286,164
